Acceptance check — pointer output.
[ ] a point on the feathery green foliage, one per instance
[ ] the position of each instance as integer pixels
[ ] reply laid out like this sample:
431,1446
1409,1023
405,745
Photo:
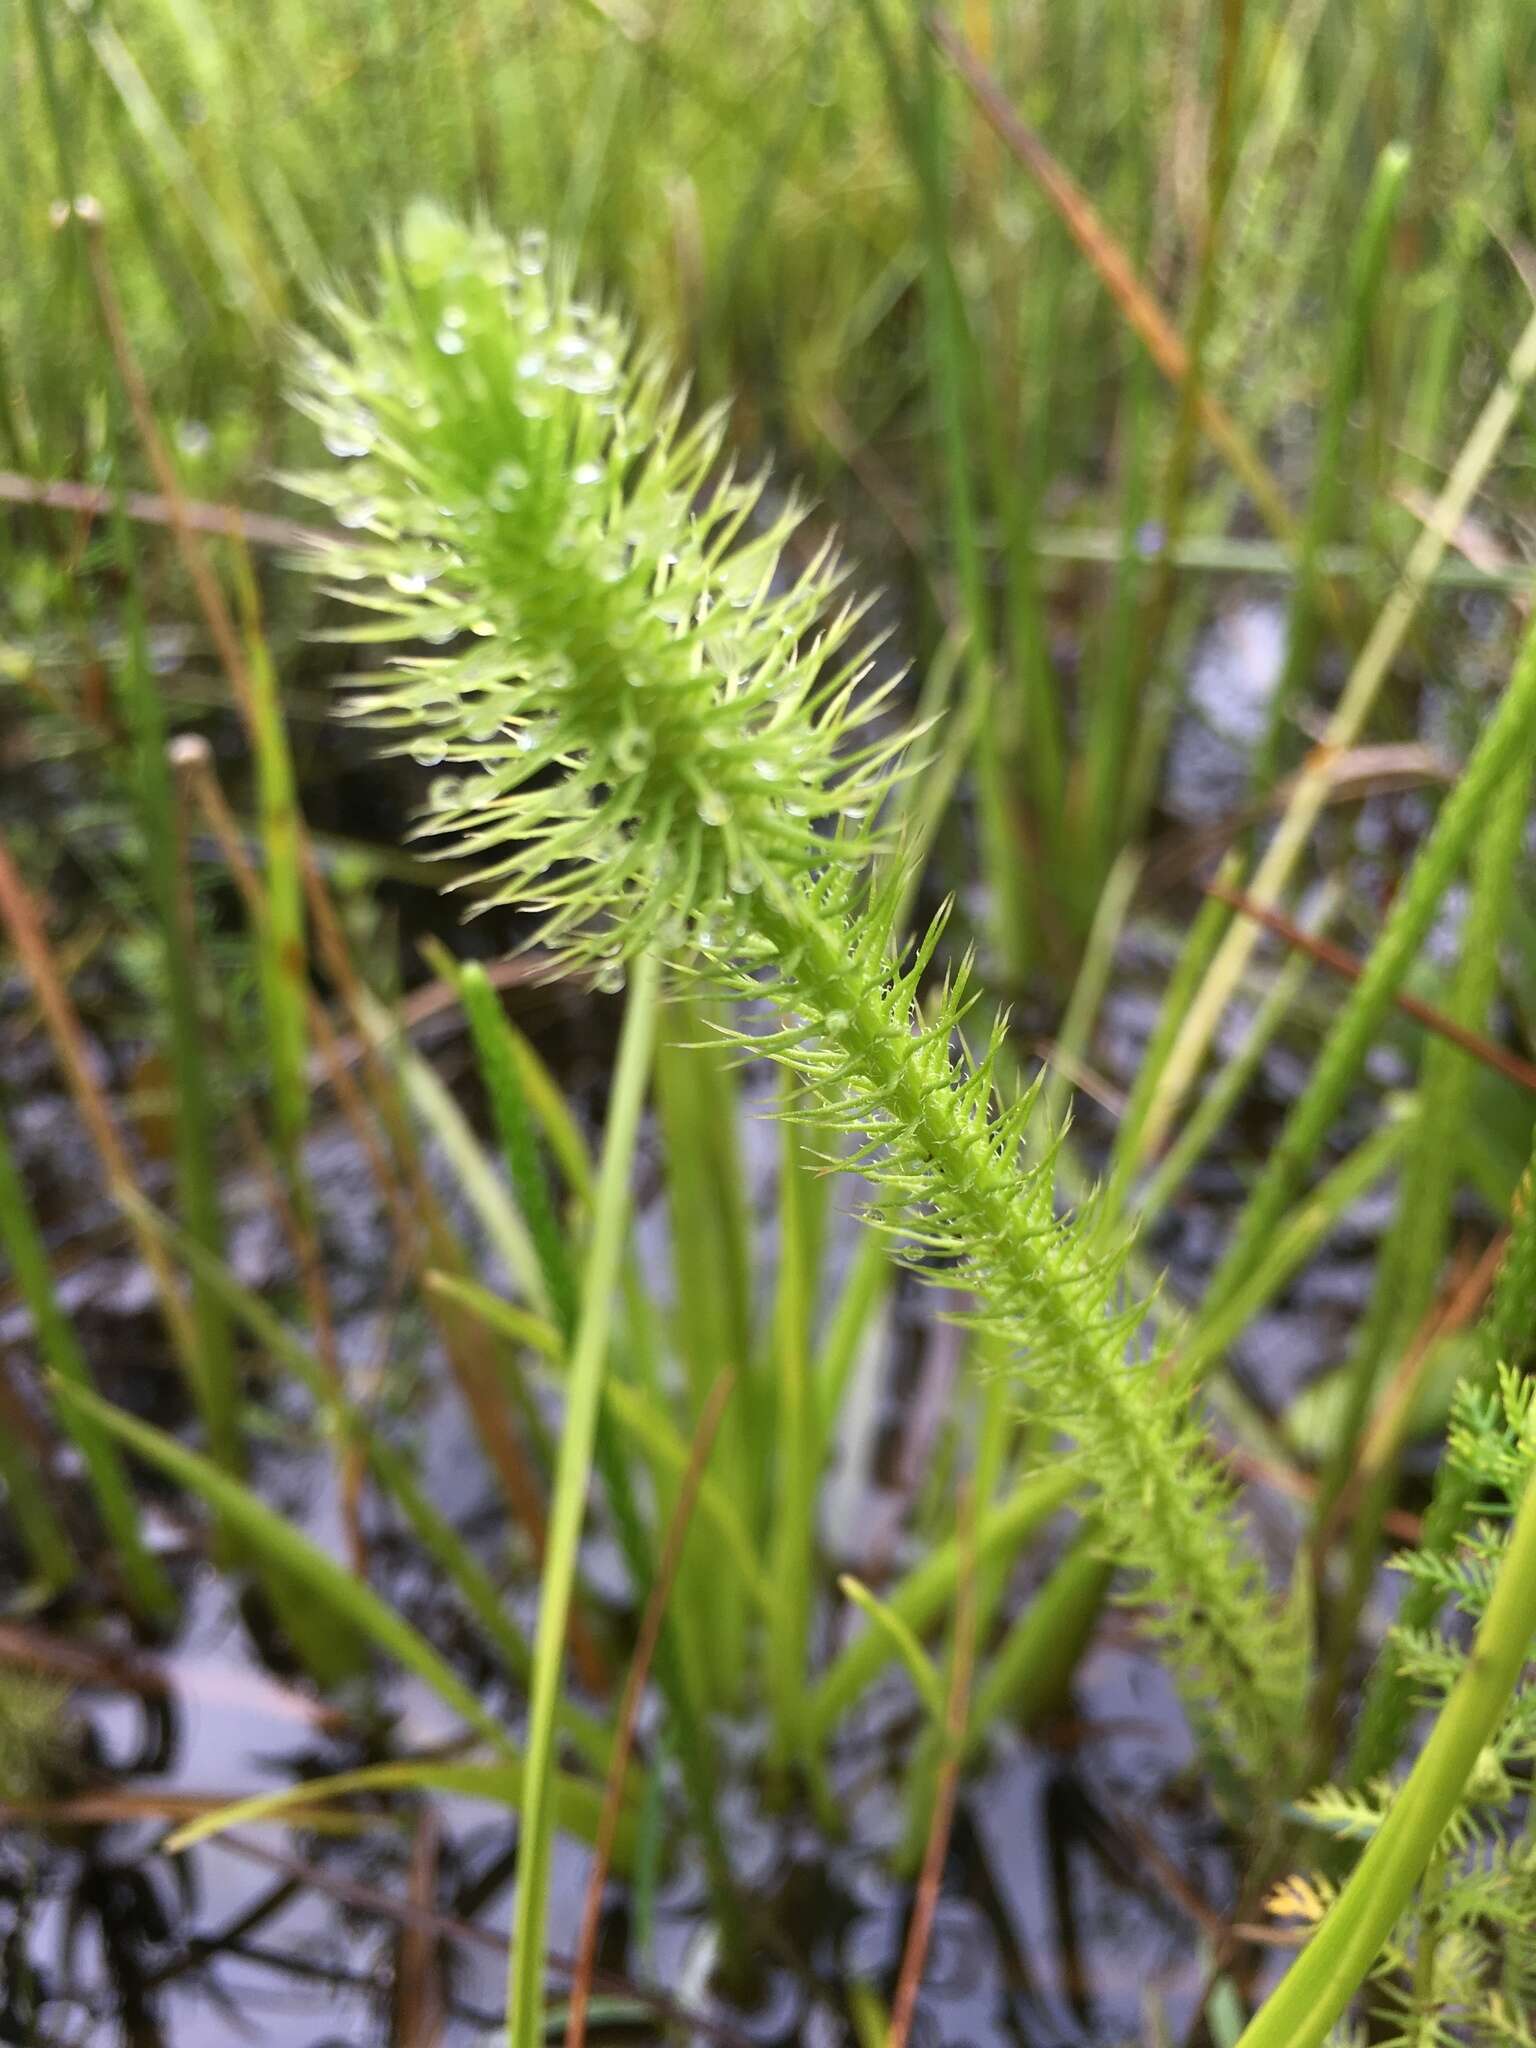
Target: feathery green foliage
1506,1338
653,743
1462,1961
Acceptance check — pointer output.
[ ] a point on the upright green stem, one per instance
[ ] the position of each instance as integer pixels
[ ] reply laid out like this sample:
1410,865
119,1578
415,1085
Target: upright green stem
584,1386
1340,1955
1505,744
956,1163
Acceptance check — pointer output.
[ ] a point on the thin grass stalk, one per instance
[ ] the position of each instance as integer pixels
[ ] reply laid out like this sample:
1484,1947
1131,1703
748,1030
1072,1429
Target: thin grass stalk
170,893
23,922
1503,749
1292,1239
1108,733
1369,673
792,1537
643,1417
914,1961
1225,1089
928,1591
192,758
1028,1678
697,1103
952,365
148,1590
1504,1336
298,1232
1410,1261
1139,308
23,1462
1119,784
1075,1033
651,1625
525,1993
497,1059
918,113
292,1556
1193,957
1324,515
1317,1989
282,950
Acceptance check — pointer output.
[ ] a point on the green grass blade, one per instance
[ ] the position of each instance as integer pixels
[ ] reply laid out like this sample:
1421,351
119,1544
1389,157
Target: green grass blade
578,1806
1317,1989
525,1992
147,1586
1504,748
499,1071
926,1591
287,1551
1367,262
920,1667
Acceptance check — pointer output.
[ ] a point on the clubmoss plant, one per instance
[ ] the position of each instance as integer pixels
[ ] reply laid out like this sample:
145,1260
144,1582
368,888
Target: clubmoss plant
1459,1964
652,731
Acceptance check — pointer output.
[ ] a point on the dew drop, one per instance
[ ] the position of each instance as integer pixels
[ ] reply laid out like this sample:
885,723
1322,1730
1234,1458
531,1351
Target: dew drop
632,750
508,481
429,753
409,583
450,341
484,721
482,628
586,474
446,793
347,439
714,807
356,512
836,1023
532,251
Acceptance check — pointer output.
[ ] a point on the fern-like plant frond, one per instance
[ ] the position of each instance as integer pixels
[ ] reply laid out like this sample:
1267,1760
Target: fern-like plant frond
1462,1963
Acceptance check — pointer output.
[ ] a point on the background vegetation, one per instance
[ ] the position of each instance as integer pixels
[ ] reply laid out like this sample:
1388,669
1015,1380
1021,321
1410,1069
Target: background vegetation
1164,372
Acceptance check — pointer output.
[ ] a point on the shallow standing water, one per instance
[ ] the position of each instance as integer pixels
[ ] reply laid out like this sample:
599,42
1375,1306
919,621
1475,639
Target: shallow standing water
1085,1869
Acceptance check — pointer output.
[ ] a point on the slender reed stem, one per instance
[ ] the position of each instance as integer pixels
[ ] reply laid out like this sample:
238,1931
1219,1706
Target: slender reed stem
1338,1958
584,1385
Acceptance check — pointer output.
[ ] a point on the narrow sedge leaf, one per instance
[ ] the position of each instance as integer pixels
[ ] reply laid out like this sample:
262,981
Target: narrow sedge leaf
286,1549
578,1805
920,1667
